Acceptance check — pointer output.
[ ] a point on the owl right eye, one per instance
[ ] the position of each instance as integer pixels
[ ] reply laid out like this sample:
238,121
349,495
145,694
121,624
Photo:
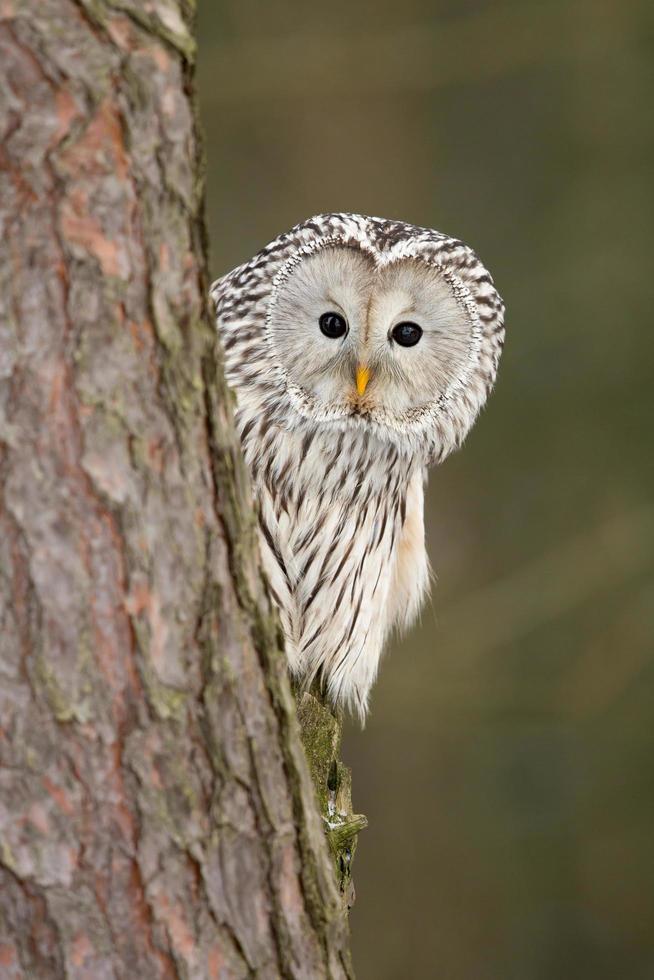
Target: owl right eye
333,325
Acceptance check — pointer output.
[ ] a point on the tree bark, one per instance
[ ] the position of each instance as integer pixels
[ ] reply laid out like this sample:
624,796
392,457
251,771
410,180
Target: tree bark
156,813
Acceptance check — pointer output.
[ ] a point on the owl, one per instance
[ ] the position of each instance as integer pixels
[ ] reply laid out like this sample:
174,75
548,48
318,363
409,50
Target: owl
360,351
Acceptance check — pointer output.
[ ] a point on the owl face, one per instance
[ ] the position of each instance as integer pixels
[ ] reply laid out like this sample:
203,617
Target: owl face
348,321
377,341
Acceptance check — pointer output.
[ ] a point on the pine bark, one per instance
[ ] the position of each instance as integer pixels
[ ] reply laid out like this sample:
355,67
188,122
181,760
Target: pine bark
156,812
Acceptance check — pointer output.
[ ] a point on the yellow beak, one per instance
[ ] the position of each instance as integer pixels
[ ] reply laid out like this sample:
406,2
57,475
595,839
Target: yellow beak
363,377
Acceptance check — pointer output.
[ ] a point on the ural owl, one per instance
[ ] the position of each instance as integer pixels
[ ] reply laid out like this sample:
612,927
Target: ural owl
360,351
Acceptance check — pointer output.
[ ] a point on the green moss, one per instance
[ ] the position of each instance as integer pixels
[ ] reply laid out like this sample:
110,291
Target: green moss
321,730
321,738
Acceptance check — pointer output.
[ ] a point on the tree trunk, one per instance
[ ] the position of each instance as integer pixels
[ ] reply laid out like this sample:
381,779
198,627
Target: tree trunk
156,813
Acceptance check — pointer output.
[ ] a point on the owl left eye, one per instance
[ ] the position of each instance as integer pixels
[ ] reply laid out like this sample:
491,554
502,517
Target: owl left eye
333,325
406,334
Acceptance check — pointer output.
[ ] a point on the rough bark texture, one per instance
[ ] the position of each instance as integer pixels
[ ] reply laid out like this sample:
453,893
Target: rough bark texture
156,812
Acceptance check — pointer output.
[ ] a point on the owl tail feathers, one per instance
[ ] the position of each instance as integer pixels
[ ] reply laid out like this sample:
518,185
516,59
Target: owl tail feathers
347,695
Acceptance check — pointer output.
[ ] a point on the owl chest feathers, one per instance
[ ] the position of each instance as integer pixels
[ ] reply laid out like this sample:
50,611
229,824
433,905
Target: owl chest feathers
342,542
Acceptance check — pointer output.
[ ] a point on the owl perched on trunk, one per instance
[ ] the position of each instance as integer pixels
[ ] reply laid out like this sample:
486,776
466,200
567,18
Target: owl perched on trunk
360,351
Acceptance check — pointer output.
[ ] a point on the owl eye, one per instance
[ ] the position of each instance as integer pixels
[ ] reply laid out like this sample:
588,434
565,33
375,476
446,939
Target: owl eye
333,325
406,334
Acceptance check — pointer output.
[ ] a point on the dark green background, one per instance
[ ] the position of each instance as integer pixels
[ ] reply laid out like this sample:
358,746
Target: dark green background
507,768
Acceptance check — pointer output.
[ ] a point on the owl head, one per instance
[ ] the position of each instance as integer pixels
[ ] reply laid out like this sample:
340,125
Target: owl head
362,322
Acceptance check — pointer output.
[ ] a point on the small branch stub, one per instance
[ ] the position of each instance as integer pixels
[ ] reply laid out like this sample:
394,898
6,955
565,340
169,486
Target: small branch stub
322,729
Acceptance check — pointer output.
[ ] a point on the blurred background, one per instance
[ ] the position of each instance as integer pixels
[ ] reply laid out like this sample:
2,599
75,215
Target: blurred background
507,769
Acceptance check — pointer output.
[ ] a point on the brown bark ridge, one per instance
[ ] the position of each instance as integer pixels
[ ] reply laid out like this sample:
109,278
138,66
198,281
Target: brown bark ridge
156,812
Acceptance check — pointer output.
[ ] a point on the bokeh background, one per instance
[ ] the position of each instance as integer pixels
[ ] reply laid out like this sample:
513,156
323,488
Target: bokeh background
507,769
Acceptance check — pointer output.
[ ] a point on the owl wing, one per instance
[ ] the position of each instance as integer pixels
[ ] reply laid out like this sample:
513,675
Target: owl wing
411,572
281,568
